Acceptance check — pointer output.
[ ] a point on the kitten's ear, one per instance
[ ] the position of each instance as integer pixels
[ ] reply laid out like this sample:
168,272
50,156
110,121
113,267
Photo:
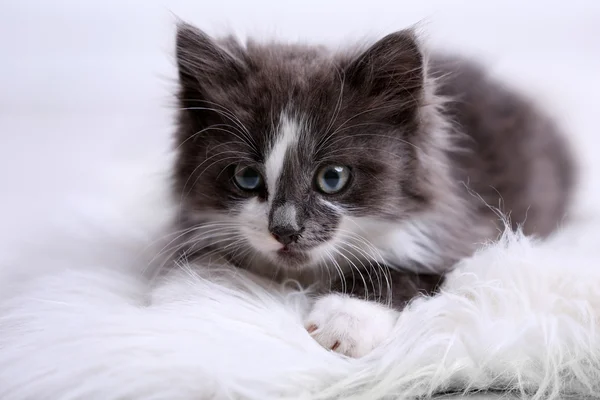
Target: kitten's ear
393,68
202,63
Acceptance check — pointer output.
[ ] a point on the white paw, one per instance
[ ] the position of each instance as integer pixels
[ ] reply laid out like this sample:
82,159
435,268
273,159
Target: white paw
349,326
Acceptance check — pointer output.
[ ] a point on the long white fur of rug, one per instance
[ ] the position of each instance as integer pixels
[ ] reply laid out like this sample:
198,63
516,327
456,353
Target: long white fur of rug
519,315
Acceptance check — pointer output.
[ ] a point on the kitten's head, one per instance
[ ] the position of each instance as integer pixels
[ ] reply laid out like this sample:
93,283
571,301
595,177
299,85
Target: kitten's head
289,155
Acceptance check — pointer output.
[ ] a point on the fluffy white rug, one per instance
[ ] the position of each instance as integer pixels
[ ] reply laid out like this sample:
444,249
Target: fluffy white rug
84,130
519,315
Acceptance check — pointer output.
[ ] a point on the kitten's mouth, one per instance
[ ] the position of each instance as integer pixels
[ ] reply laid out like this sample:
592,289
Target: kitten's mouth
284,249
292,256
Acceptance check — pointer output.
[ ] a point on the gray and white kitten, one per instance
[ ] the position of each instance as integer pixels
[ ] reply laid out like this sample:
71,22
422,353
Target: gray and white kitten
370,171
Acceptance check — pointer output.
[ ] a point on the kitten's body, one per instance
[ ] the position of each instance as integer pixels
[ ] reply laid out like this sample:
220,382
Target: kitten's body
430,146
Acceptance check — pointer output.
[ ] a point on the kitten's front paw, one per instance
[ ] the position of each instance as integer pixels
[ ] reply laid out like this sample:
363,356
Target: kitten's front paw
349,326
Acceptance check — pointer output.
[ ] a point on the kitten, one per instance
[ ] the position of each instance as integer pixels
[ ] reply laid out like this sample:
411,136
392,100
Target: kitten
371,170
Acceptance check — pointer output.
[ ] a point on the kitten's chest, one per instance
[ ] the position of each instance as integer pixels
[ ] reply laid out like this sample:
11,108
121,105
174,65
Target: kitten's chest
408,245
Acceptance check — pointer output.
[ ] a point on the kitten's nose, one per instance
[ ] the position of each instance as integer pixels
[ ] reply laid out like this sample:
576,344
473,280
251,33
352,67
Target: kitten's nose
285,235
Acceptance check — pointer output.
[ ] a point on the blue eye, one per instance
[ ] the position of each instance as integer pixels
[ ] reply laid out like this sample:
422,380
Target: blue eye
247,178
332,179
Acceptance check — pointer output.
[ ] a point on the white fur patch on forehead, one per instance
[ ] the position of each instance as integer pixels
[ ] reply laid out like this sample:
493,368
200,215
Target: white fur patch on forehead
287,133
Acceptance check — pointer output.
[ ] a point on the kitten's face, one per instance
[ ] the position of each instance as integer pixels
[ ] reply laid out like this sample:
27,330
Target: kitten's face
288,155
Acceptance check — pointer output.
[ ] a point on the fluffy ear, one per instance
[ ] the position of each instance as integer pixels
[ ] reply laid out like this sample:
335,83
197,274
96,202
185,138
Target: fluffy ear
202,63
392,68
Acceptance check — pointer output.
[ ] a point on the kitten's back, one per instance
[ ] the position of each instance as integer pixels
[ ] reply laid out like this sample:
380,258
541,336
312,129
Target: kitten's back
512,155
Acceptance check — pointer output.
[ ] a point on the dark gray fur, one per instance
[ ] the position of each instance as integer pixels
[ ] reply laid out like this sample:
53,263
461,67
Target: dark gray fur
426,135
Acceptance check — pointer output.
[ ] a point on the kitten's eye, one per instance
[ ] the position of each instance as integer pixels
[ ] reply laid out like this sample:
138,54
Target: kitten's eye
247,178
332,179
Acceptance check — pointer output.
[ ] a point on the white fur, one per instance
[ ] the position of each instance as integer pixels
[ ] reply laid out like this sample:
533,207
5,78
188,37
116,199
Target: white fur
520,314
350,326
394,243
287,137
253,223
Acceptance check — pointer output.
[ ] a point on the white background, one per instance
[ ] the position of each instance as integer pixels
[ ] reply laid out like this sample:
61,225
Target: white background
86,86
